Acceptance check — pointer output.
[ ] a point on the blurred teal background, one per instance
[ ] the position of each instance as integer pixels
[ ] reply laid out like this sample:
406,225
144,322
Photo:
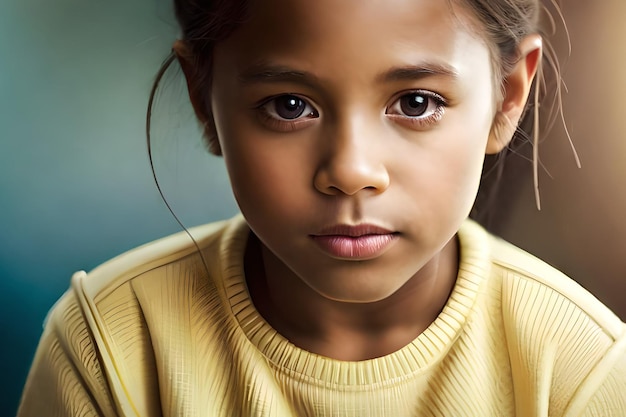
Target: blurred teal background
75,183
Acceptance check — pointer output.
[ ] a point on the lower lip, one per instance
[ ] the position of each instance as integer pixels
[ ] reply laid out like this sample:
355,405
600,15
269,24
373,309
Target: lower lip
356,248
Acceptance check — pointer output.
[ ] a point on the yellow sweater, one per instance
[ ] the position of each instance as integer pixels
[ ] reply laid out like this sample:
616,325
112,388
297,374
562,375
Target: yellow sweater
149,334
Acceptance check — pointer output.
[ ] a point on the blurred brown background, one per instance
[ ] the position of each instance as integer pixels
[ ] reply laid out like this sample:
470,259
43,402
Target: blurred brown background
581,228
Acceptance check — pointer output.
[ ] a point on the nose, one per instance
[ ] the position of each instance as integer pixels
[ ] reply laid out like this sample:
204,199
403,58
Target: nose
353,162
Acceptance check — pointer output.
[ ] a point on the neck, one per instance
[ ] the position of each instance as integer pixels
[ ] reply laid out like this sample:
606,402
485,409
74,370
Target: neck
342,330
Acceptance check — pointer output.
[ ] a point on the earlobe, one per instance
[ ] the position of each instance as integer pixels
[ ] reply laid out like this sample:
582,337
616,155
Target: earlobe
197,95
516,88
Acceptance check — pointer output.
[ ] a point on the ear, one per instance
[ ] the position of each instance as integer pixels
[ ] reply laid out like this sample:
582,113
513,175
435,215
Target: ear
198,94
516,87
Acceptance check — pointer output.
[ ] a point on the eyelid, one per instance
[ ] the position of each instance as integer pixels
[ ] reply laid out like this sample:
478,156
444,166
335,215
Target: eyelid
430,94
265,101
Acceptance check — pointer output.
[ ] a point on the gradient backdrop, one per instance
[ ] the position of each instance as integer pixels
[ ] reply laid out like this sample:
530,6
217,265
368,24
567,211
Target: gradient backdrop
75,182
76,188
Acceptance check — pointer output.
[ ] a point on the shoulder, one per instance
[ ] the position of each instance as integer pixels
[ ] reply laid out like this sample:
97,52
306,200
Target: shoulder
123,292
135,263
151,256
115,317
531,282
562,340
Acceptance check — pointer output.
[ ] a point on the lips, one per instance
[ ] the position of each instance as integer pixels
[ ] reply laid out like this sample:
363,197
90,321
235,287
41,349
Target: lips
359,242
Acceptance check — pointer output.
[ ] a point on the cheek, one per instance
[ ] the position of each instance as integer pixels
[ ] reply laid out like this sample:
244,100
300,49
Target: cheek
472,128
468,162
267,178
454,170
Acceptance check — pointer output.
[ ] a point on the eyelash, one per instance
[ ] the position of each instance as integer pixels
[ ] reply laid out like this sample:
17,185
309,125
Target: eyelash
273,120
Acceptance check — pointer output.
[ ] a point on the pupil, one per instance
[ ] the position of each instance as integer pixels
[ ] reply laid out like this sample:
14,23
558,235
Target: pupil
414,105
290,107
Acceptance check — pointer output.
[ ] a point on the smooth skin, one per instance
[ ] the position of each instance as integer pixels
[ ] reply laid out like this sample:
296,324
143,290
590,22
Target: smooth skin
357,112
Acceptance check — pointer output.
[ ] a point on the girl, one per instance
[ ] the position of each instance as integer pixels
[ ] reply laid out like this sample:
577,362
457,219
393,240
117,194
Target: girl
354,134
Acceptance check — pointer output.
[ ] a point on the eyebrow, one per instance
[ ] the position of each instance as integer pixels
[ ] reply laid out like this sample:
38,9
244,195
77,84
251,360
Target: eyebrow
416,72
262,73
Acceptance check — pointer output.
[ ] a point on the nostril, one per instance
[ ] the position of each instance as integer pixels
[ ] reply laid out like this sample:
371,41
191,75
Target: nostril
350,182
350,167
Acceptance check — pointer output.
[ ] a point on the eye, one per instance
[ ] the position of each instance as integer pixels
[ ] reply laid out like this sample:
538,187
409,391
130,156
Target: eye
289,107
286,113
421,107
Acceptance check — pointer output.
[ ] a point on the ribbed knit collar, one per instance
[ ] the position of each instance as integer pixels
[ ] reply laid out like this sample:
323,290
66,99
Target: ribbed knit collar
428,348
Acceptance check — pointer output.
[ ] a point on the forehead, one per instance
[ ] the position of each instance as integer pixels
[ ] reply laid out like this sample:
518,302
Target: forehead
353,36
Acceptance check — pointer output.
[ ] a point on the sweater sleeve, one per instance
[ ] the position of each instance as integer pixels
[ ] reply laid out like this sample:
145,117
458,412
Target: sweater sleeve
66,377
609,400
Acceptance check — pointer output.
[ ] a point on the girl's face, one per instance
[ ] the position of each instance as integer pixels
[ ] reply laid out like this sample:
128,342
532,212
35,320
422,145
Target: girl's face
354,134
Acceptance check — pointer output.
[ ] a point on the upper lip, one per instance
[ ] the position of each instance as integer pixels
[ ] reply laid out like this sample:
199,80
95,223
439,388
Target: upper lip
353,231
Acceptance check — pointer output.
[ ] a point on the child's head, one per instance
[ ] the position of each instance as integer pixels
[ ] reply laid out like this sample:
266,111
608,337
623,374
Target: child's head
502,23
373,113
